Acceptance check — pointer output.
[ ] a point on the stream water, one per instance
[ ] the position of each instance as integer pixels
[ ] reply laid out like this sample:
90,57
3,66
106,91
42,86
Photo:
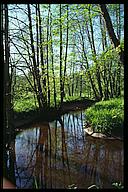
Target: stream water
59,154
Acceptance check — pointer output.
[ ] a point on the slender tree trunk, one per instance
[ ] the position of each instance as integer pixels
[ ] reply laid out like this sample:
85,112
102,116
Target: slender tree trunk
95,59
66,52
118,81
37,36
40,96
81,80
103,33
91,81
110,80
33,56
104,45
61,80
87,64
42,60
52,59
69,86
119,29
48,57
33,73
73,77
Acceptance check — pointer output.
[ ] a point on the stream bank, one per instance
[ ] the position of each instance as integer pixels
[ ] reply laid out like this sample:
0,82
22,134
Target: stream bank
25,118
90,132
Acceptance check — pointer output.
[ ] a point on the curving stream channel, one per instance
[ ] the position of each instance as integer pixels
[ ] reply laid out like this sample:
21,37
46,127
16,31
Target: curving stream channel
59,154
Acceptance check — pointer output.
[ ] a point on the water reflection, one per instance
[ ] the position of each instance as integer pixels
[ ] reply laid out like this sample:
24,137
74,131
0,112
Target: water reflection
59,153
9,162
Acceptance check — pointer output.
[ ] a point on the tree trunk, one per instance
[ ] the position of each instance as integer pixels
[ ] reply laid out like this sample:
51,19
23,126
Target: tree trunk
66,52
41,98
90,78
8,104
73,77
110,29
8,127
87,64
118,20
44,91
81,82
103,33
3,75
52,59
48,57
95,59
104,45
118,81
61,80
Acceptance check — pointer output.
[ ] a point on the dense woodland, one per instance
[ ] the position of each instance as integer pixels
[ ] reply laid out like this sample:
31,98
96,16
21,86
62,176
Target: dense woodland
59,52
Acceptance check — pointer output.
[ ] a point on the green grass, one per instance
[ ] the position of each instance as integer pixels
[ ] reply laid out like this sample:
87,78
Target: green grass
26,105
106,116
76,98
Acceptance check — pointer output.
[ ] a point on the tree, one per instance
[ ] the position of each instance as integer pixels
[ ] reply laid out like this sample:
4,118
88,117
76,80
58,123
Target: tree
66,53
105,66
8,127
110,29
40,94
48,22
52,59
94,55
7,81
86,60
61,77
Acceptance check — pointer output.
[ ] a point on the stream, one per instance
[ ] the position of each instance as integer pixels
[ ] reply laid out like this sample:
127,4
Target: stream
59,154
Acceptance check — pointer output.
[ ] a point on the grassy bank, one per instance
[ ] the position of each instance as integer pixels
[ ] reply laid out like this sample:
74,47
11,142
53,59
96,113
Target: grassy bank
25,110
28,104
106,116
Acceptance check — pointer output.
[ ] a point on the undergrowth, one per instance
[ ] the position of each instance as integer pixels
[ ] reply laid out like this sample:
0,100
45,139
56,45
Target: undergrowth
106,116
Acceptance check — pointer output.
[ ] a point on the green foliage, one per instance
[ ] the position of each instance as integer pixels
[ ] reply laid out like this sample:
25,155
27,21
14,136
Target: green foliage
25,104
106,116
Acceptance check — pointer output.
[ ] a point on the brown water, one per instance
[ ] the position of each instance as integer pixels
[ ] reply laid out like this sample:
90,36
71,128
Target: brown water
59,154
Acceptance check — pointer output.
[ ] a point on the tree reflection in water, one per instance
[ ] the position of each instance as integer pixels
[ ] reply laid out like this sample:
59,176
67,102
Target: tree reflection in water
9,162
59,154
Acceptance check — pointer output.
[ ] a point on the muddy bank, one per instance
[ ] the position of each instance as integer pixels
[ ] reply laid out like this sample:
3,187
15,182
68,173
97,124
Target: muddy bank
76,105
25,118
